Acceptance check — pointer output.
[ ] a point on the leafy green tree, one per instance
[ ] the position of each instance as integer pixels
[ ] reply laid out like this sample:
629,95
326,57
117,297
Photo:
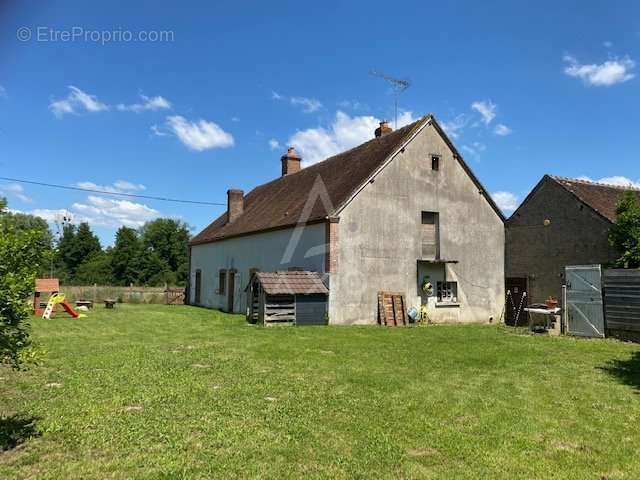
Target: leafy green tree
169,240
22,251
96,269
22,222
126,257
625,233
76,245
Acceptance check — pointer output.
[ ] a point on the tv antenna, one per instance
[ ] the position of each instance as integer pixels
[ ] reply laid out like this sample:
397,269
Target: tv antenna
398,85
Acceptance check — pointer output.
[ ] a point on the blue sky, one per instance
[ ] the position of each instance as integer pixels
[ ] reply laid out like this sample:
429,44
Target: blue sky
213,94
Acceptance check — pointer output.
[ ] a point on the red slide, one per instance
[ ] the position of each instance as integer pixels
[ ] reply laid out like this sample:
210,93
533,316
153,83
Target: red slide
69,310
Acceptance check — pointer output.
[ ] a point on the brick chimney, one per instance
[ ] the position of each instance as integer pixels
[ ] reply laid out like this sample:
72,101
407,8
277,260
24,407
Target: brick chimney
290,162
383,129
235,204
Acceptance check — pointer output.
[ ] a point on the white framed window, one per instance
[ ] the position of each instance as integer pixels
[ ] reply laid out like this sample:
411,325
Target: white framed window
447,292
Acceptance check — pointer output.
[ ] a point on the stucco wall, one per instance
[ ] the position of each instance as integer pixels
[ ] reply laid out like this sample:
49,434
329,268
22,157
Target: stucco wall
380,238
265,251
576,235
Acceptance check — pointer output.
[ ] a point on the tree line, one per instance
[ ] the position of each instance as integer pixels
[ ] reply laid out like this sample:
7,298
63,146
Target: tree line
155,254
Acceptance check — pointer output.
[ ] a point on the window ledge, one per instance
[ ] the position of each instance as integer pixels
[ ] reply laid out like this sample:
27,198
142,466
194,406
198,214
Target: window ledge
447,305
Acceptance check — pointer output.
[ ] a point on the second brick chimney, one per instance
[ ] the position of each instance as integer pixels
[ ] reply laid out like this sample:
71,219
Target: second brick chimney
290,162
383,129
235,204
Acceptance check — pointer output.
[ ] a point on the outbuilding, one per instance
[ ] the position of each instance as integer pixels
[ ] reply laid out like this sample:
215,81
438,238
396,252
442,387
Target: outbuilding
287,298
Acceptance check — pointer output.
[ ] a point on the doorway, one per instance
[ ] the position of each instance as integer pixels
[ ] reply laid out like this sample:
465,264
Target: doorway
232,288
516,300
198,286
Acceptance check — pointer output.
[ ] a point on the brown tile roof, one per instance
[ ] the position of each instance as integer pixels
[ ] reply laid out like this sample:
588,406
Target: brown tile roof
280,203
601,197
289,283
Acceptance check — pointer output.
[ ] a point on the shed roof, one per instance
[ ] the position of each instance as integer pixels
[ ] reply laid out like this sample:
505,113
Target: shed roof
601,197
281,203
47,285
291,283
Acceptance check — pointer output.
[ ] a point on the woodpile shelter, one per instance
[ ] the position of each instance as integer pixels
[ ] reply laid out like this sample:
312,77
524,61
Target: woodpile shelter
287,298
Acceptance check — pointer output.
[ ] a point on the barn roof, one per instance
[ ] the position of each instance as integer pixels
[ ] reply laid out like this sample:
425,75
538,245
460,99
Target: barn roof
281,203
291,283
601,197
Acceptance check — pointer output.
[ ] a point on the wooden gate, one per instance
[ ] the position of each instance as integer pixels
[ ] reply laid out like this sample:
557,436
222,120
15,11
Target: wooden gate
174,296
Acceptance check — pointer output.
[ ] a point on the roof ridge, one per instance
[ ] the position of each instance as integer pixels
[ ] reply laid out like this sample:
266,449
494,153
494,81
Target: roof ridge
583,181
314,165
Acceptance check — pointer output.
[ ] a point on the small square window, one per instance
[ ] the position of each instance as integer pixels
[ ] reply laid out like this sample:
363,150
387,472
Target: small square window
435,162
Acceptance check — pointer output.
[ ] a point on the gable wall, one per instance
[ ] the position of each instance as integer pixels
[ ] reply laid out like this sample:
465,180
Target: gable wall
380,242
576,236
265,251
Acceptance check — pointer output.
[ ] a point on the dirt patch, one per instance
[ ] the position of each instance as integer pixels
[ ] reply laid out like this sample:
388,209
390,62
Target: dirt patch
422,452
133,408
200,365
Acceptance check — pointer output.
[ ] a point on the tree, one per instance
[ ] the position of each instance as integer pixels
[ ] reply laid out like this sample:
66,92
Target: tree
76,245
22,222
96,269
22,251
168,239
125,258
625,233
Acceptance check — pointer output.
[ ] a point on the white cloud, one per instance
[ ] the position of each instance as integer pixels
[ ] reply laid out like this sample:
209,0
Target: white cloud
158,131
15,190
316,144
76,102
274,144
119,186
353,105
199,135
3,92
148,104
454,127
475,148
607,44
617,180
486,109
53,215
235,119
605,74
502,130
506,201
109,212
309,105
125,185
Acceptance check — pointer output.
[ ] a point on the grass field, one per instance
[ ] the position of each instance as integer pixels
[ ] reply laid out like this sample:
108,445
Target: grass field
155,392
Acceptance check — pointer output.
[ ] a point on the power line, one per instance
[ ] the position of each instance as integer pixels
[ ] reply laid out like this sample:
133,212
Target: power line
103,192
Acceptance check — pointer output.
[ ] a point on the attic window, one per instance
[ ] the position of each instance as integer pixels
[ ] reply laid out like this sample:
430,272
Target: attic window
435,162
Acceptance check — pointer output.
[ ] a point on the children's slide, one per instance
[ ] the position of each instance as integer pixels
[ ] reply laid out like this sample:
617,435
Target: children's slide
58,299
69,310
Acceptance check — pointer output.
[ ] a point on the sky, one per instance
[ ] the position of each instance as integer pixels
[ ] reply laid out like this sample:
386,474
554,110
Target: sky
186,100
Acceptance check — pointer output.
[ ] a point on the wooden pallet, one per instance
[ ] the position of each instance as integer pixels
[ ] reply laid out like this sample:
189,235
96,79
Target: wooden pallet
392,311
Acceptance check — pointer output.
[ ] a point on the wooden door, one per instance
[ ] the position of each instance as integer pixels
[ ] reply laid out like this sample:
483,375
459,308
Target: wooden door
231,290
516,300
198,286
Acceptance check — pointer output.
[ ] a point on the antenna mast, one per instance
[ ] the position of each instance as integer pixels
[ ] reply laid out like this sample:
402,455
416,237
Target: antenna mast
399,85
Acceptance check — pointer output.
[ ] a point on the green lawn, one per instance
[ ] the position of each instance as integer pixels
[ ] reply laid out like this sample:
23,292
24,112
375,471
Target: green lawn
155,392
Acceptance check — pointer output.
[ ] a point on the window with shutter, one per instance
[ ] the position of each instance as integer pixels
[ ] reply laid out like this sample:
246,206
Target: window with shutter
430,236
